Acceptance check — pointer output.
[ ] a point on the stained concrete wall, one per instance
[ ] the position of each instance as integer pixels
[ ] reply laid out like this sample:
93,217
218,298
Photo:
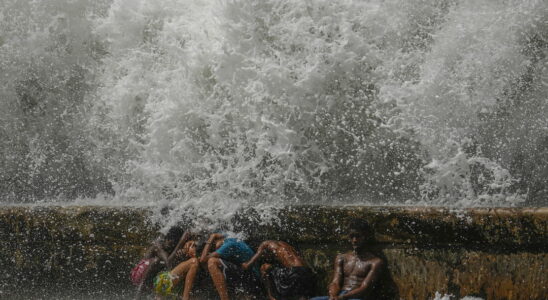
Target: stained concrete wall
88,251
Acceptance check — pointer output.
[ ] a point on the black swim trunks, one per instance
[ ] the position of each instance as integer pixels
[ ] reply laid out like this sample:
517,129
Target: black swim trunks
239,279
291,282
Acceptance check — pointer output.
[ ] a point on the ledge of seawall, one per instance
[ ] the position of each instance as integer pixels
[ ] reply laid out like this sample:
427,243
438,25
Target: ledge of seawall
495,253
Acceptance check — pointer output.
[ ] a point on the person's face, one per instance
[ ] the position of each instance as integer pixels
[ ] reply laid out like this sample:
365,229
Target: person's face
189,249
167,244
357,239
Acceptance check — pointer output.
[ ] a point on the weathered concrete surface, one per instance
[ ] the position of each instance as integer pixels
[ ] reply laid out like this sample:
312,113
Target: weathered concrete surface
74,249
491,253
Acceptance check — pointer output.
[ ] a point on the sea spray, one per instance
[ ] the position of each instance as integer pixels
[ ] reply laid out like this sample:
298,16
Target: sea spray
222,105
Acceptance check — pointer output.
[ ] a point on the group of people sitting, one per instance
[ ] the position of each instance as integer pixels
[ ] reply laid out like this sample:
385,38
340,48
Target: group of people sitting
173,264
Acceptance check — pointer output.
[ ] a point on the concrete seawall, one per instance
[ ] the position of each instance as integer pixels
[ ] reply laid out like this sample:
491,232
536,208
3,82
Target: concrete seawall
87,252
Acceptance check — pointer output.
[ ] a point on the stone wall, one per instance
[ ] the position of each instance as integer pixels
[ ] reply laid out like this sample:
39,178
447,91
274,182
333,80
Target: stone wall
87,252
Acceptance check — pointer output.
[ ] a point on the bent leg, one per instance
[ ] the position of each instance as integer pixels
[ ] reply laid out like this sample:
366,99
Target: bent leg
215,267
190,278
267,280
187,270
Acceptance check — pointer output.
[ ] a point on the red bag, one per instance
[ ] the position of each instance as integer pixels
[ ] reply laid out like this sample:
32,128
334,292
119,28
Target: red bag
138,271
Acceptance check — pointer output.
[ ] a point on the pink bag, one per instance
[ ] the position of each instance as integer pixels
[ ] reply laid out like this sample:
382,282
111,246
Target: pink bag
138,271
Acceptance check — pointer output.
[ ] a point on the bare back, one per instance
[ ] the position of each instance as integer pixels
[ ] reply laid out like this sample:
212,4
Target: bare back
284,253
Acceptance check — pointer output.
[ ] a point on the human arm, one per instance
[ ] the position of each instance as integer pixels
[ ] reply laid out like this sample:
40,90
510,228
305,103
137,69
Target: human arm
171,258
139,291
159,251
141,286
260,252
335,285
149,270
367,283
207,249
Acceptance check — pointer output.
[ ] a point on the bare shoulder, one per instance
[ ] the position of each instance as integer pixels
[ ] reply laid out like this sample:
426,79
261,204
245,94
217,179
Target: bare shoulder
281,244
345,256
271,245
376,261
340,256
268,243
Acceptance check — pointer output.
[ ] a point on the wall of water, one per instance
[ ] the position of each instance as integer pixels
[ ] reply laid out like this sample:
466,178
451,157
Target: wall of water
227,104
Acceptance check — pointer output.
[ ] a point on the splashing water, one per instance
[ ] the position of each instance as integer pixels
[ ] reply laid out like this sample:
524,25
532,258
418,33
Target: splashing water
438,296
221,105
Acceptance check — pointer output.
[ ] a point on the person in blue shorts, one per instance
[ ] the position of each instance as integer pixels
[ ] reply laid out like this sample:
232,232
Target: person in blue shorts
225,265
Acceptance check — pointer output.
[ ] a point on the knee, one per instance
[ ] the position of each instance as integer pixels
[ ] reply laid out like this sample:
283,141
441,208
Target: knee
213,263
265,268
194,261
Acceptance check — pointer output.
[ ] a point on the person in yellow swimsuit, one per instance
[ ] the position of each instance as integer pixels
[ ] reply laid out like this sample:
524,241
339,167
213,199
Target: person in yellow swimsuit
180,280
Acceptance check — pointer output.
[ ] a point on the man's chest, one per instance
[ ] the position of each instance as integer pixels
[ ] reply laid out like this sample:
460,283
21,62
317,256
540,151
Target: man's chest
356,267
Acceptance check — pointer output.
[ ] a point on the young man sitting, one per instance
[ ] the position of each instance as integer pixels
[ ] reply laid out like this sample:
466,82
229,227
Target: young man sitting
224,265
289,277
357,271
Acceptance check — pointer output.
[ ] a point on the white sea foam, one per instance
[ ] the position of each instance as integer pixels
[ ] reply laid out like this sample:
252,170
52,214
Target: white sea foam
439,296
219,105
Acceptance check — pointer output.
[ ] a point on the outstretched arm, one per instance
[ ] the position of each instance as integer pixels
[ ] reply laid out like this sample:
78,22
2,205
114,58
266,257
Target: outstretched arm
365,288
335,285
259,254
186,237
207,249
161,253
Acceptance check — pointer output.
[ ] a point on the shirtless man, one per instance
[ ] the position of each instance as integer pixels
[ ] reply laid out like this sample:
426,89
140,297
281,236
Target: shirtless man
290,277
356,271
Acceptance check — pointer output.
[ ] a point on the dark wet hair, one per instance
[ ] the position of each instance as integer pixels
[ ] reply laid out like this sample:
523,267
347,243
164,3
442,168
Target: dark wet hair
200,244
362,226
359,225
174,234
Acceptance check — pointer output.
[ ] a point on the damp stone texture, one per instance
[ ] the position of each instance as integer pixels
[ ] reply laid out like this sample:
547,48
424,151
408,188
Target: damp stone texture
88,252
